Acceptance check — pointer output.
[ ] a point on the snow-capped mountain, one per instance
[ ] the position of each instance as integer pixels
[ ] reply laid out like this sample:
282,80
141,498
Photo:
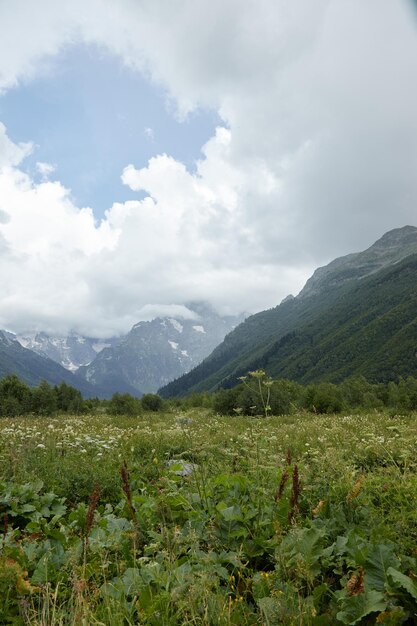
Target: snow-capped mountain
155,352
33,368
71,352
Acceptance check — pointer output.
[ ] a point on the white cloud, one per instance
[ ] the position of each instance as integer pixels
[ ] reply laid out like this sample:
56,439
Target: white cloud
10,153
45,169
317,156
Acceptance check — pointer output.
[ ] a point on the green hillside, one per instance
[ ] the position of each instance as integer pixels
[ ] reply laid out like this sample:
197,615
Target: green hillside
370,331
247,343
356,315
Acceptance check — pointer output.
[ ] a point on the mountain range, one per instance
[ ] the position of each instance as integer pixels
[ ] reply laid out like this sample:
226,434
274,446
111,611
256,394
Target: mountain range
155,352
33,368
150,355
71,351
357,315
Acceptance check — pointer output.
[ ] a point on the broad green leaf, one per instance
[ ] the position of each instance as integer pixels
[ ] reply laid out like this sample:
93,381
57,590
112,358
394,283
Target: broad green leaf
132,581
27,508
231,513
403,581
379,559
357,607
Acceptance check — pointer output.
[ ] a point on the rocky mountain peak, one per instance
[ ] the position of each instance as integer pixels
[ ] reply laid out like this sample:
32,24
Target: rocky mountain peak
391,248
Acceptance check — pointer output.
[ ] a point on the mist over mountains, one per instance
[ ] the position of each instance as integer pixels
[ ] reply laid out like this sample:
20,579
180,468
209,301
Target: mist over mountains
152,354
155,352
356,315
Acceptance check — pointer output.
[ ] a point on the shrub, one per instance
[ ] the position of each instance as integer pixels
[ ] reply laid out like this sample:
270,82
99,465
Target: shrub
15,396
324,398
226,401
44,400
68,398
152,402
124,404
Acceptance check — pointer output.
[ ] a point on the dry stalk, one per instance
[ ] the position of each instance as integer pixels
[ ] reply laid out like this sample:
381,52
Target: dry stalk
295,493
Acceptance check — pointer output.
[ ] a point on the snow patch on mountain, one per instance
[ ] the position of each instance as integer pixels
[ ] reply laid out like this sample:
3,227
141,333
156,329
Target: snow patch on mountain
176,324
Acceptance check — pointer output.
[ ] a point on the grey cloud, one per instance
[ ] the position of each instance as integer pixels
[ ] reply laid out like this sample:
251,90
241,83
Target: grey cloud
320,99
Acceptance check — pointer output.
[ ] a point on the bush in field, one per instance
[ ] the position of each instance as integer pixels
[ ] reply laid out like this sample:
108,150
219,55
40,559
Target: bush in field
124,404
44,399
246,401
68,398
402,395
196,400
226,400
285,397
10,407
152,402
15,396
323,398
354,390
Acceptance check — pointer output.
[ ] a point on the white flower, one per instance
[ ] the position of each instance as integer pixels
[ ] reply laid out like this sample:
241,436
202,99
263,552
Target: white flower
40,445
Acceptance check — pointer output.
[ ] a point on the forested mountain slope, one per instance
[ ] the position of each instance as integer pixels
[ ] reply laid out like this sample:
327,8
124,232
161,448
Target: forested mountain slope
299,338
371,331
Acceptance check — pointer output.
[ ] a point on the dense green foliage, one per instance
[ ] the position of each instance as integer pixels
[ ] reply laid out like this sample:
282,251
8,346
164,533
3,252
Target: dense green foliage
302,519
17,398
124,404
256,395
152,402
286,397
361,327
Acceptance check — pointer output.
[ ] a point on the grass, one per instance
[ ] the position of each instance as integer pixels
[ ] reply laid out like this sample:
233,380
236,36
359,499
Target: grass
238,540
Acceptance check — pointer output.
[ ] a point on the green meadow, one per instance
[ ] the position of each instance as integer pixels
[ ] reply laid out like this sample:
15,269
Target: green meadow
192,518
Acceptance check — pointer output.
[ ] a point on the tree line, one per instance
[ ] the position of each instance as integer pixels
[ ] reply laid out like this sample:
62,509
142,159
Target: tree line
257,394
17,398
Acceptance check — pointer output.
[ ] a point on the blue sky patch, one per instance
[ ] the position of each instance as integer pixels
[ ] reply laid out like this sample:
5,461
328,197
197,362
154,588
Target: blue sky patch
89,115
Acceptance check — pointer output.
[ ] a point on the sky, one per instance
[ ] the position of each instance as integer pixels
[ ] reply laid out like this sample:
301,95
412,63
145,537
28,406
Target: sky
157,152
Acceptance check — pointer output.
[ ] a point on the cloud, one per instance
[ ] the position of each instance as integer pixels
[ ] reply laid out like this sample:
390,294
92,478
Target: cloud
151,311
10,153
182,242
316,156
45,169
